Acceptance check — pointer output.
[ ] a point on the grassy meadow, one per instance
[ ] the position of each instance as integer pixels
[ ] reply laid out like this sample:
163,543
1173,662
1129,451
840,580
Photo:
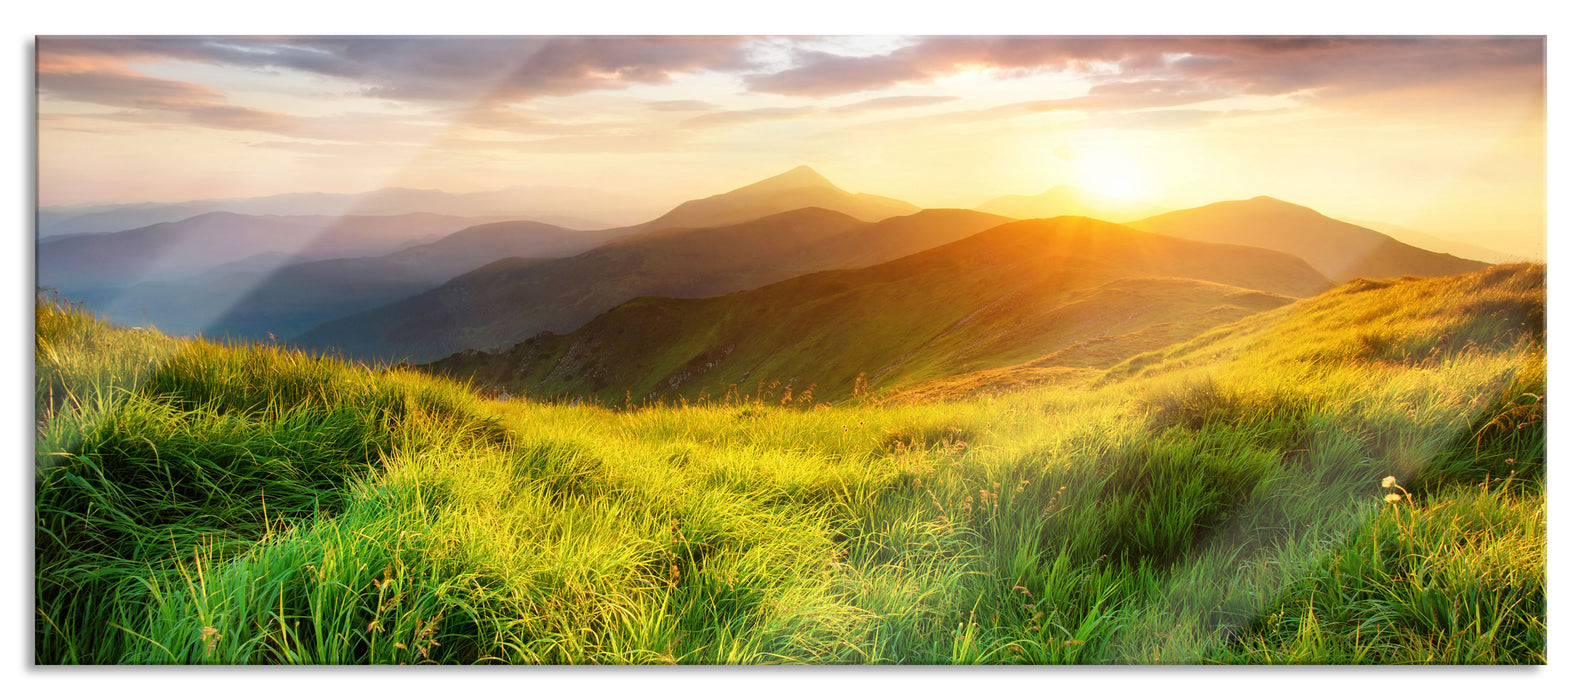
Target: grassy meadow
1352,478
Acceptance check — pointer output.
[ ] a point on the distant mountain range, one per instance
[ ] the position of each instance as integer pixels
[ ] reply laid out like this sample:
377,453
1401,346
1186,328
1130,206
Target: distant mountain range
1340,250
789,279
1077,291
165,252
295,298
555,205
1065,200
501,303
1437,244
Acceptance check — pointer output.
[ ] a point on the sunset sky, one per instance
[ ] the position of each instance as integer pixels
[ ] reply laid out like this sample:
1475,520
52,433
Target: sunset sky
1441,134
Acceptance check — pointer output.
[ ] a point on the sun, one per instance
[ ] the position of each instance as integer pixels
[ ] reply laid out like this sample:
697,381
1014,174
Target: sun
1114,180
1112,176
1110,168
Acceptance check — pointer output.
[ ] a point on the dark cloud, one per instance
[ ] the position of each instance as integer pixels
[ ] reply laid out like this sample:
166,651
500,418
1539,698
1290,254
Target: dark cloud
1219,65
900,102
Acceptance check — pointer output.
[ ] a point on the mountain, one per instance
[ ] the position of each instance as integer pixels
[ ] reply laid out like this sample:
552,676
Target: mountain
1340,250
506,301
295,298
1076,292
1065,200
182,305
164,252
797,188
565,206
1438,244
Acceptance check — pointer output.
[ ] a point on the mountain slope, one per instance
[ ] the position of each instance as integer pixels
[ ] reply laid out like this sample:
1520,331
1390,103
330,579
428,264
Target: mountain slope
1436,244
797,188
163,252
1340,250
504,302
295,298
1065,200
1017,292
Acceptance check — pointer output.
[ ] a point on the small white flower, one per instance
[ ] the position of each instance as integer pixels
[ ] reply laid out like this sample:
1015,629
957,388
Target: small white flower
1389,482
1392,498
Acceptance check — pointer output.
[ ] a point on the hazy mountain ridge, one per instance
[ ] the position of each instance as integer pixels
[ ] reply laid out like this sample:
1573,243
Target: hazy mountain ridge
500,304
158,274
168,252
1340,250
1443,244
523,202
1065,200
294,299
490,285
1014,293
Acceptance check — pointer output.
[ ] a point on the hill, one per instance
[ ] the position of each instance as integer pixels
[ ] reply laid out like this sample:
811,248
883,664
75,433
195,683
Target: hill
292,299
1065,200
1081,292
1359,477
797,188
1438,244
1338,249
499,304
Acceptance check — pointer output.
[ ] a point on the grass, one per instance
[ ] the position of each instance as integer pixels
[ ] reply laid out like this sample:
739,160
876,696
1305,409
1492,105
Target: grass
1219,502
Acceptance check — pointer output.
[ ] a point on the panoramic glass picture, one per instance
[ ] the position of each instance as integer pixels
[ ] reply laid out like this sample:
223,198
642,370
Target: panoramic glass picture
878,350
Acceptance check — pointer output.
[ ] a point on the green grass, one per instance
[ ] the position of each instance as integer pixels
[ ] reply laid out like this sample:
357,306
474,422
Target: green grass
1220,502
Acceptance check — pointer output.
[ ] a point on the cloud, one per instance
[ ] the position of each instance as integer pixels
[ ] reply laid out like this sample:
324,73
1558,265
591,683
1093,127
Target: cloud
899,102
682,106
745,116
1156,119
434,68
106,83
1336,66
823,74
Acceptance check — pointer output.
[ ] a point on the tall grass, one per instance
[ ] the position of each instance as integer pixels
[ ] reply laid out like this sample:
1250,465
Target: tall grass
1218,503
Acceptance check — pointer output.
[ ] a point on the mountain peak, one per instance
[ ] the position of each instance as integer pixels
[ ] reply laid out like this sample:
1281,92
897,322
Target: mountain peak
1268,202
796,178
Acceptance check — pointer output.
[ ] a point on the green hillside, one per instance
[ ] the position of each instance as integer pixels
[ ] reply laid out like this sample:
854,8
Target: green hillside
502,303
1358,477
1080,292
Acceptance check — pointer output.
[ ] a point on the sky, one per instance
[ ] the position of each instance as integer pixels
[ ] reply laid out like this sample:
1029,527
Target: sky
1438,133
1442,134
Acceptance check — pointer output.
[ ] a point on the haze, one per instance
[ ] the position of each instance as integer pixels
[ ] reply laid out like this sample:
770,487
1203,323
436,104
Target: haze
1441,135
